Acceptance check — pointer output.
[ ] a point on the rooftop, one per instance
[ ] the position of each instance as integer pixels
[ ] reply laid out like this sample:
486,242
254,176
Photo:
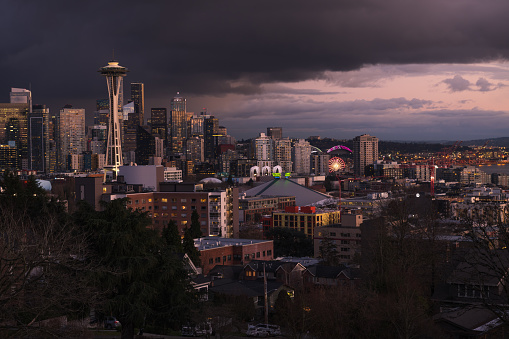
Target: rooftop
207,243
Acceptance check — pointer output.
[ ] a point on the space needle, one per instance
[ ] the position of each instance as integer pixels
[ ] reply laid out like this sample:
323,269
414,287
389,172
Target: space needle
113,73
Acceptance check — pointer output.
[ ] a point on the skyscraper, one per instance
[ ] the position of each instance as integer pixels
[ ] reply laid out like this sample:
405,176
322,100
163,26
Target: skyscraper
14,130
210,132
114,74
275,133
40,139
71,138
178,124
158,118
138,97
365,152
21,96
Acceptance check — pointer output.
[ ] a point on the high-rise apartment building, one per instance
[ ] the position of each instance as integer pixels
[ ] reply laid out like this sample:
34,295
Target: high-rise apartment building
138,98
301,157
365,152
264,151
320,164
178,124
275,133
283,154
71,138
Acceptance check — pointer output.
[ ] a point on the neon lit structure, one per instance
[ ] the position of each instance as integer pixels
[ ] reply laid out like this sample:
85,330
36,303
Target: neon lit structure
339,147
336,164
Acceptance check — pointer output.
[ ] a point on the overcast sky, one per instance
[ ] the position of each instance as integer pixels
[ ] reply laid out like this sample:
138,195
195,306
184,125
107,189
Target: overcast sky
396,69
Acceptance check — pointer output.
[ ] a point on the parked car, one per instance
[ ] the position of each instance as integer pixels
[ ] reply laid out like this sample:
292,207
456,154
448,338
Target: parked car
111,323
202,329
263,330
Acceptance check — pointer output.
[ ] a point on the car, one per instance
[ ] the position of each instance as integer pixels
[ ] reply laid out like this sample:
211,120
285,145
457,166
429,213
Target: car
202,329
111,323
263,330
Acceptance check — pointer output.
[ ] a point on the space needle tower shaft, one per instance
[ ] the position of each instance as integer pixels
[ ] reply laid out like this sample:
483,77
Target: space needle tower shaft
113,73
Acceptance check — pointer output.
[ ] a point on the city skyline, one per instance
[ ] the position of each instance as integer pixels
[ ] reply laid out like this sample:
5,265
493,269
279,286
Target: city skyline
399,71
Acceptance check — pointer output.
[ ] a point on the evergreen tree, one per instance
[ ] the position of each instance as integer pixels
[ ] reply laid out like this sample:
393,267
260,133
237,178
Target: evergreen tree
289,242
195,225
172,237
189,248
140,275
328,251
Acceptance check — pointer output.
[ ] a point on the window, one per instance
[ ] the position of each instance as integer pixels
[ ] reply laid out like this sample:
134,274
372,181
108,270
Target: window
257,254
218,259
173,207
164,207
136,201
246,256
173,215
203,215
183,222
263,253
332,234
184,207
224,258
269,252
345,242
193,208
184,215
203,208
150,207
183,200
211,261
203,223
156,207
173,199
344,249
150,200
143,201
164,200
193,200
229,257
203,200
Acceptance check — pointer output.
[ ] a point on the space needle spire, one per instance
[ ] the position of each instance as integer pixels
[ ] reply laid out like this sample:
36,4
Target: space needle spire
113,73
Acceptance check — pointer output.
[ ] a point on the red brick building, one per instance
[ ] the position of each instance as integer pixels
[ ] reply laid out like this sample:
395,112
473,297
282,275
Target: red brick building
221,251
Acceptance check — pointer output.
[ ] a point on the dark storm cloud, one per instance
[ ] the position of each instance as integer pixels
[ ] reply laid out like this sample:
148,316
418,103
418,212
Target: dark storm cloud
219,47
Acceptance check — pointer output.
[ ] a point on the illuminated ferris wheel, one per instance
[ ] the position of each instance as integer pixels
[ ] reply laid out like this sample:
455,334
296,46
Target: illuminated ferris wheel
336,164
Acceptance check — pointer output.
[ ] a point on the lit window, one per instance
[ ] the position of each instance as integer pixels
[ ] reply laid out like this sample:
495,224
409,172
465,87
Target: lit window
150,200
105,189
183,207
183,222
203,200
164,200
